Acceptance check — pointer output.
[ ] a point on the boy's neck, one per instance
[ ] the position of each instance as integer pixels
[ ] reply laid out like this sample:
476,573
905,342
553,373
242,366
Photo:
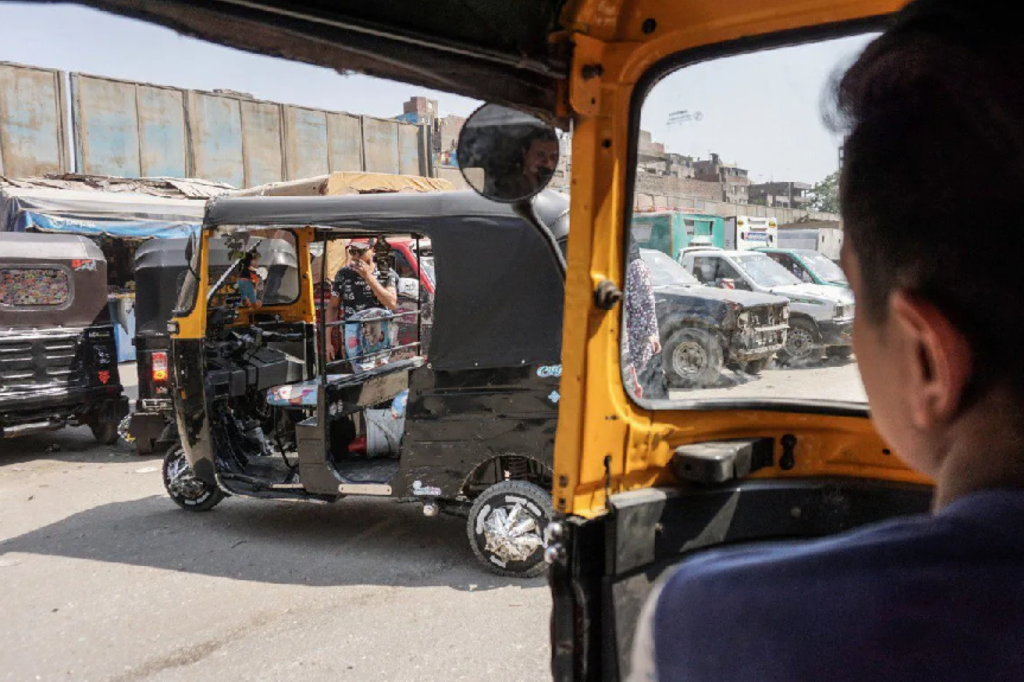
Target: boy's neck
984,450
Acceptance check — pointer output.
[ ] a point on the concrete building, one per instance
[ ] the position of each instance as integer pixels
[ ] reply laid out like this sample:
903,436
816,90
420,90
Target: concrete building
780,194
733,179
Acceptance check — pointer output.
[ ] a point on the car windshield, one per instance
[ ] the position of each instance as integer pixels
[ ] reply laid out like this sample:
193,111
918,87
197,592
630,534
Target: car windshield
764,271
825,269
665,271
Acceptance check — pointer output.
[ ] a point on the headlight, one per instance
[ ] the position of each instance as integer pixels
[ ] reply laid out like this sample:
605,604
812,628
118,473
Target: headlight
744,319
785,312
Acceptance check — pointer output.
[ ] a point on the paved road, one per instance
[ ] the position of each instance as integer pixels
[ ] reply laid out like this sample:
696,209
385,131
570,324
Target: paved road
106,580
838,381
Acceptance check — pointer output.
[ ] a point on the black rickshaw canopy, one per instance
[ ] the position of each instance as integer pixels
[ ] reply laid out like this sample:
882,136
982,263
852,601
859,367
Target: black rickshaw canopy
500,288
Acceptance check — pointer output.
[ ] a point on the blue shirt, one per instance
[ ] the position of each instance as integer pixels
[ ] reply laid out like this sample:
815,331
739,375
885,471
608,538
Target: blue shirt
932,597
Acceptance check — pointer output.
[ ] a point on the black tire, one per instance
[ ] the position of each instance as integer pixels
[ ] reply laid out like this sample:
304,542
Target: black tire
693,358
187,491
145,446
494,549
839,352
801,343
756,366
105,433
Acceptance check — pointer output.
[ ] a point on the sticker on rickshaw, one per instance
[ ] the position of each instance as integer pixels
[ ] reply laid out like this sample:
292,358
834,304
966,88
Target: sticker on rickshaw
83,264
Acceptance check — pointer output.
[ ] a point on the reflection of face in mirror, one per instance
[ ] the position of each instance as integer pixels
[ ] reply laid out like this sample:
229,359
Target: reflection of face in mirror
507,155
540,158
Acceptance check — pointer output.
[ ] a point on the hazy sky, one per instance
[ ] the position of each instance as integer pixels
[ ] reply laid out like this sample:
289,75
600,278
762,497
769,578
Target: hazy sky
74,38
761,111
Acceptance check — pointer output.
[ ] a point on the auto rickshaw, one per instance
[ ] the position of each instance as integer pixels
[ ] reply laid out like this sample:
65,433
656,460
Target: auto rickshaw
160,268
466,425
637,485
58,362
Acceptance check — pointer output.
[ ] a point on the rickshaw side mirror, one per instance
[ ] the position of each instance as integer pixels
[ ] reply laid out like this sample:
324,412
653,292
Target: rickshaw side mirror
507,155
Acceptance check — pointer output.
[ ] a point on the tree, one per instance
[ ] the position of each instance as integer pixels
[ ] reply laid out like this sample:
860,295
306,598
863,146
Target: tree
825,194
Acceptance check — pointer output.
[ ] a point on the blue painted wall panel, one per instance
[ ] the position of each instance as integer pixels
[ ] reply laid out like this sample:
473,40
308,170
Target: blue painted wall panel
31,121
216,124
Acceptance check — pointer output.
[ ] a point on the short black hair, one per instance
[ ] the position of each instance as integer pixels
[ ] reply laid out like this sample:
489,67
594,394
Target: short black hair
540,133
933,165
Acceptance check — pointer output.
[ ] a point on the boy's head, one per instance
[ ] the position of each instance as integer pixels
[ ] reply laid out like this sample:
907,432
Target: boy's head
933,166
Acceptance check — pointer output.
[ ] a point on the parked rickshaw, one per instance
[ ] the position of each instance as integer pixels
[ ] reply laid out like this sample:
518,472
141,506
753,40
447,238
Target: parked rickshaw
262,413
160,268
58,361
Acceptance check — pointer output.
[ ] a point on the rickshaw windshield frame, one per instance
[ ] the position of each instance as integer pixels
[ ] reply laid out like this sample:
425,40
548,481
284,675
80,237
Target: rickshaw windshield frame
644,86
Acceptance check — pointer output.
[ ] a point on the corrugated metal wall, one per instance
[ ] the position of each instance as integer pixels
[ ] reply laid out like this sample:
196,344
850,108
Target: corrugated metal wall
32,121
130,129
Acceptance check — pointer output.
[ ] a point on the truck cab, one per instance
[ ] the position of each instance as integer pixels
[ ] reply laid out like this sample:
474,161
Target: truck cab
809,266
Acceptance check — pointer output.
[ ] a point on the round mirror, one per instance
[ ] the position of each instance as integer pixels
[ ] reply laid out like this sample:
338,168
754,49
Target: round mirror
507,155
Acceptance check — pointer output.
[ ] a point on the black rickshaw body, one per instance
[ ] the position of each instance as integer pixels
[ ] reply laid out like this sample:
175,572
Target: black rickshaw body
160,269
482,400
58,360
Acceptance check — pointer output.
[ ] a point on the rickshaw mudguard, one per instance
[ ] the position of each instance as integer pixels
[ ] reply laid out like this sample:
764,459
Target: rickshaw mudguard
190,408
458,421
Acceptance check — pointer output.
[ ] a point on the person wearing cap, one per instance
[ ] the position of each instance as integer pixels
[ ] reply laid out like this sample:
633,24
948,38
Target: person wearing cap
359,286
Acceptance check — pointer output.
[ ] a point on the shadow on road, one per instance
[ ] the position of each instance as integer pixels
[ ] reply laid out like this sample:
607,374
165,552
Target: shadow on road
70,444
353,542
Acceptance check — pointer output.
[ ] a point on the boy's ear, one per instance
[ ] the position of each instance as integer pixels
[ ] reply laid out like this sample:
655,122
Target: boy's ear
937,355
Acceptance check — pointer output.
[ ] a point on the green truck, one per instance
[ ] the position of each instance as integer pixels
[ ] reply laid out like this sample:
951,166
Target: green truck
672,231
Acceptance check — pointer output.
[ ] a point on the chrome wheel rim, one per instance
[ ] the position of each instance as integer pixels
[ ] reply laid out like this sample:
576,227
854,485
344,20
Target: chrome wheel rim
511,533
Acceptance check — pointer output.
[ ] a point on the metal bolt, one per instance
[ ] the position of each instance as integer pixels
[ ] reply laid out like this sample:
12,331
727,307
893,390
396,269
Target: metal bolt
555,554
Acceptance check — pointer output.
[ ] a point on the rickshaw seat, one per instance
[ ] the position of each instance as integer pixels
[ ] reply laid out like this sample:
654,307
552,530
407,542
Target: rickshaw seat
303,394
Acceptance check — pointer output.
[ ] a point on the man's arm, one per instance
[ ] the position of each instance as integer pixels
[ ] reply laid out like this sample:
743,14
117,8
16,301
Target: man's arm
331,316
387,296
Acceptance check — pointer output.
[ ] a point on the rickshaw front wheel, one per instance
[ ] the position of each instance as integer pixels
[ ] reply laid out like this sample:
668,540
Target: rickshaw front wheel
181,484
506,528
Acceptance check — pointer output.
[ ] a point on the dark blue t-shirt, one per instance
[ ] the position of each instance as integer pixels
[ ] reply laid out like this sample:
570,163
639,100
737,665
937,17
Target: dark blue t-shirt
936,597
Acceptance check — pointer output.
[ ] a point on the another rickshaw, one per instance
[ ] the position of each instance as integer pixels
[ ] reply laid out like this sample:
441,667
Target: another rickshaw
160,268
58,363
262,413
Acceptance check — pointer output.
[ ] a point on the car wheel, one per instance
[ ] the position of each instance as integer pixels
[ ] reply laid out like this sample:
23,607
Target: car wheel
105,432
801,343
756,366
506,528
187,491
693,358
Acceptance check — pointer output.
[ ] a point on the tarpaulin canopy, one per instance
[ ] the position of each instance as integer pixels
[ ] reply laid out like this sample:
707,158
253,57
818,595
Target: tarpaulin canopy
349,182
96,213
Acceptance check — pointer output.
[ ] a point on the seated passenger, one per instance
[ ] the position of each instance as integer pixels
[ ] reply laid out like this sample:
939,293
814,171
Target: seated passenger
249,280
937,596
359,287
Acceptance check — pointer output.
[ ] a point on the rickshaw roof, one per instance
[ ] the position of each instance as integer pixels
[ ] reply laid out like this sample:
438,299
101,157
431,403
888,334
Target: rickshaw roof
376,213
499,288
52,247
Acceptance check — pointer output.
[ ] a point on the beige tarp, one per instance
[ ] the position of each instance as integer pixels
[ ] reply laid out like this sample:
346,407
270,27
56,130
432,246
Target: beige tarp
350,183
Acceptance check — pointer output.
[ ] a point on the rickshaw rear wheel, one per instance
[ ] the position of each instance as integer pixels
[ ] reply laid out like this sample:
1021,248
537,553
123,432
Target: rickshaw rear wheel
187,491
506,528
105,432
